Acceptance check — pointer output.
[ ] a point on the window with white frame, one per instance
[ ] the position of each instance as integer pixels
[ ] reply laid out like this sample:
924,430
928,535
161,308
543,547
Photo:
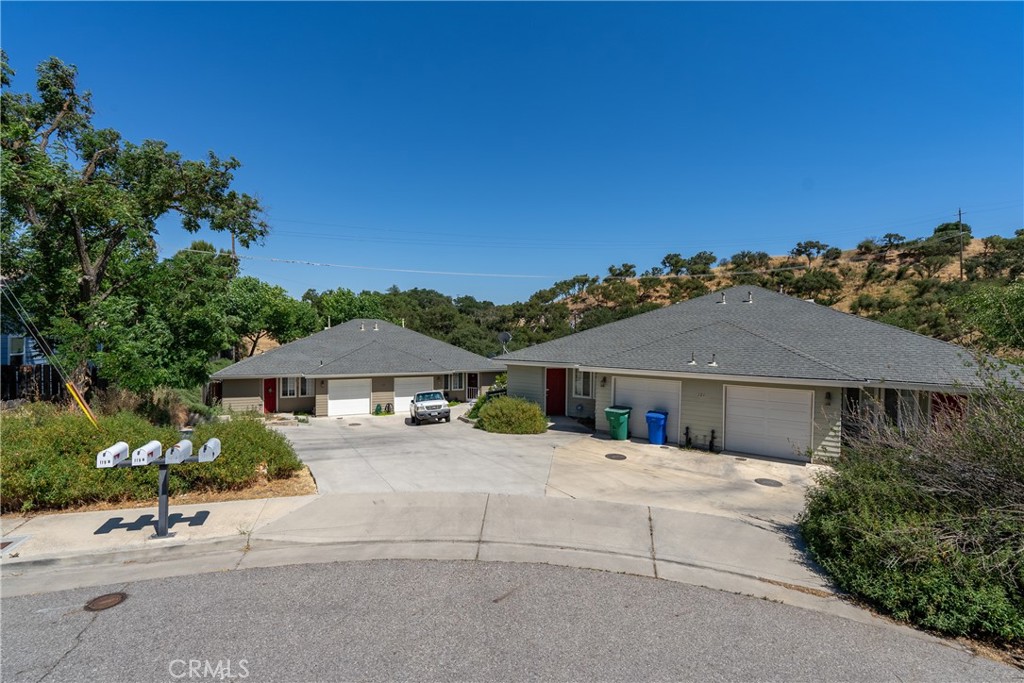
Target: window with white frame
454,382
583,384
297,386
16,350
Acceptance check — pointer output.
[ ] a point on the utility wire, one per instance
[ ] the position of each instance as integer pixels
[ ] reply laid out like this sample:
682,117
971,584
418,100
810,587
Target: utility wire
25,318
387,270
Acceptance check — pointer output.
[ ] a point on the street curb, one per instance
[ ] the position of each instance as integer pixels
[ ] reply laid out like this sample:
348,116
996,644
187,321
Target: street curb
168,550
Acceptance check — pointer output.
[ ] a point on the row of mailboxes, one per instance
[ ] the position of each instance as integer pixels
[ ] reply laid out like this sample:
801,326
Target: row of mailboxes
152,454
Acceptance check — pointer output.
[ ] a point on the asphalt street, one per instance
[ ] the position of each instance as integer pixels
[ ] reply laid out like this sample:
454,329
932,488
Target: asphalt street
446,621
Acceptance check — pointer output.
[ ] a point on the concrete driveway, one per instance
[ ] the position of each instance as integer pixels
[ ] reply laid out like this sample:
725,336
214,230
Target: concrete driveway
369,454
372,454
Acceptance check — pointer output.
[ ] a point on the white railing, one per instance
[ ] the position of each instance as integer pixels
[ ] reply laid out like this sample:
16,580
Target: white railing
472,393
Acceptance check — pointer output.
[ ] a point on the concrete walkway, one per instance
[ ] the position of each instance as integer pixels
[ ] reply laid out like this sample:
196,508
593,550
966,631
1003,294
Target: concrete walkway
722,552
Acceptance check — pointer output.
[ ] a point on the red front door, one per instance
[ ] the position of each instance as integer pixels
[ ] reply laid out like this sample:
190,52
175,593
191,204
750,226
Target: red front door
555,391
270,395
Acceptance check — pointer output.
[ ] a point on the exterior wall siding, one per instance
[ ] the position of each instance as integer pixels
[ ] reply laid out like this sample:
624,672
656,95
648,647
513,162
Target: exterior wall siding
487,381
382,392
242,395
320,408
702,412
602,399
297,404
528,382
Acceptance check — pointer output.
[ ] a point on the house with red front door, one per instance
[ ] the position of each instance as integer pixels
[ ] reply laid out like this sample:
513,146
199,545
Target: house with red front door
747,370
351,369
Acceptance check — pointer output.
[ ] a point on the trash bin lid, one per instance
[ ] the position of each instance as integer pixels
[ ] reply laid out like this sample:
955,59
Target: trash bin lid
619,409
657,413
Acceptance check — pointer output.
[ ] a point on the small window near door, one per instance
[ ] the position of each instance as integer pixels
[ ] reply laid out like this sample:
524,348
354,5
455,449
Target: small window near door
287,387
306,386
583,384
453,382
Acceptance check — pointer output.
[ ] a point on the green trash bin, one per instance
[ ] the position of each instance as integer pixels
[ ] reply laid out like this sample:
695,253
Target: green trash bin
618,421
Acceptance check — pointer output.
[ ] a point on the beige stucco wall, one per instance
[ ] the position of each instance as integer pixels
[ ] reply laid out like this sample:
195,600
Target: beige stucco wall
241,395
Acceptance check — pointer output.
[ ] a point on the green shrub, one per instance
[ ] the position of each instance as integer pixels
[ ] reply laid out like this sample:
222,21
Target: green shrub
474,412
512,415
49,459
927,526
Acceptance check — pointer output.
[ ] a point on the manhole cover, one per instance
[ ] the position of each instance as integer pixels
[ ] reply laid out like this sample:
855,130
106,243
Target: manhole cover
105,602
615,456
768,482
354,424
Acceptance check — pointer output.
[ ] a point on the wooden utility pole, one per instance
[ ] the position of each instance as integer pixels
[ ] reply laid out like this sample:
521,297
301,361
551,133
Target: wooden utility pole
960,229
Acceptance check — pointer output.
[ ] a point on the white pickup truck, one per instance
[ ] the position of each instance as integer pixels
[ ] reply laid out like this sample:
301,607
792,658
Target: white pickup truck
429,405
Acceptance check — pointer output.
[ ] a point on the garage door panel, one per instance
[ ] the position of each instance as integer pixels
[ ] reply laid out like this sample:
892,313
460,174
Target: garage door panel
406,388
766,421
649,394
348,397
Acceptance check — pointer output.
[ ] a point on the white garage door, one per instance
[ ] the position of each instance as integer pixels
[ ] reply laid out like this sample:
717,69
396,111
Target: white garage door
406,388
773,422
649,394
348,397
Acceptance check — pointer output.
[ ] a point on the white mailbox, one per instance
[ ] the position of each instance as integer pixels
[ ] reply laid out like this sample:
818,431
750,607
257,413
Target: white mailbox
179,452
209,451
113,456
148,454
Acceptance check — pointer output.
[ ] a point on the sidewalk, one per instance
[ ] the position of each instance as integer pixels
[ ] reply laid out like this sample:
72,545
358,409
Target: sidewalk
741,556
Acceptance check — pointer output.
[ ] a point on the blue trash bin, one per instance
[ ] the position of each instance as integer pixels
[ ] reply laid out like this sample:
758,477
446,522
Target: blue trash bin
656,420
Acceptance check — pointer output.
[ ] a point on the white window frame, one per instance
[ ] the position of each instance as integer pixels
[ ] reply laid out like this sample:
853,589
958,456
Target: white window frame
581,388
450,383
11,353
288,387
307,386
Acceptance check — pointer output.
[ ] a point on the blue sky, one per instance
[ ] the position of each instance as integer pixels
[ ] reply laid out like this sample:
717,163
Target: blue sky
547,140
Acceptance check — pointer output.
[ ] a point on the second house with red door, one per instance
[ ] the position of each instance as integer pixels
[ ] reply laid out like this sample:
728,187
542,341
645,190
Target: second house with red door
352,369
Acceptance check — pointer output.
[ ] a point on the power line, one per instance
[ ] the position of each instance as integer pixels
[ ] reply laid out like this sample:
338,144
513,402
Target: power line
33,331
386,270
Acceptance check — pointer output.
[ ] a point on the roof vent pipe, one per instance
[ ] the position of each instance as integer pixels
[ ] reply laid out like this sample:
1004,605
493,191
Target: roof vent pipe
376,327
362,327
693,358
749,299
723,298
712,364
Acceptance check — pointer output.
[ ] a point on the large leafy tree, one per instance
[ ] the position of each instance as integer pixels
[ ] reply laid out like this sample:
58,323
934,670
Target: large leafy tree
79,214
258,310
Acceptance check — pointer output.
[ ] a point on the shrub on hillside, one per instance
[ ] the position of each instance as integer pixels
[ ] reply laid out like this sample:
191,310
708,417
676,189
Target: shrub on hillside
49,459
512,415
929,525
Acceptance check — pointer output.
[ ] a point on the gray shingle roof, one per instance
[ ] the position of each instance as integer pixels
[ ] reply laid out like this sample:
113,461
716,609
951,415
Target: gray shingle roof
356,348
775,336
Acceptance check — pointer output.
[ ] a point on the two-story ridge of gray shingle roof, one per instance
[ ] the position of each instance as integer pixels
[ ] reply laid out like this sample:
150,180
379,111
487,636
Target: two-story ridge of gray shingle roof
753,332
361,347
